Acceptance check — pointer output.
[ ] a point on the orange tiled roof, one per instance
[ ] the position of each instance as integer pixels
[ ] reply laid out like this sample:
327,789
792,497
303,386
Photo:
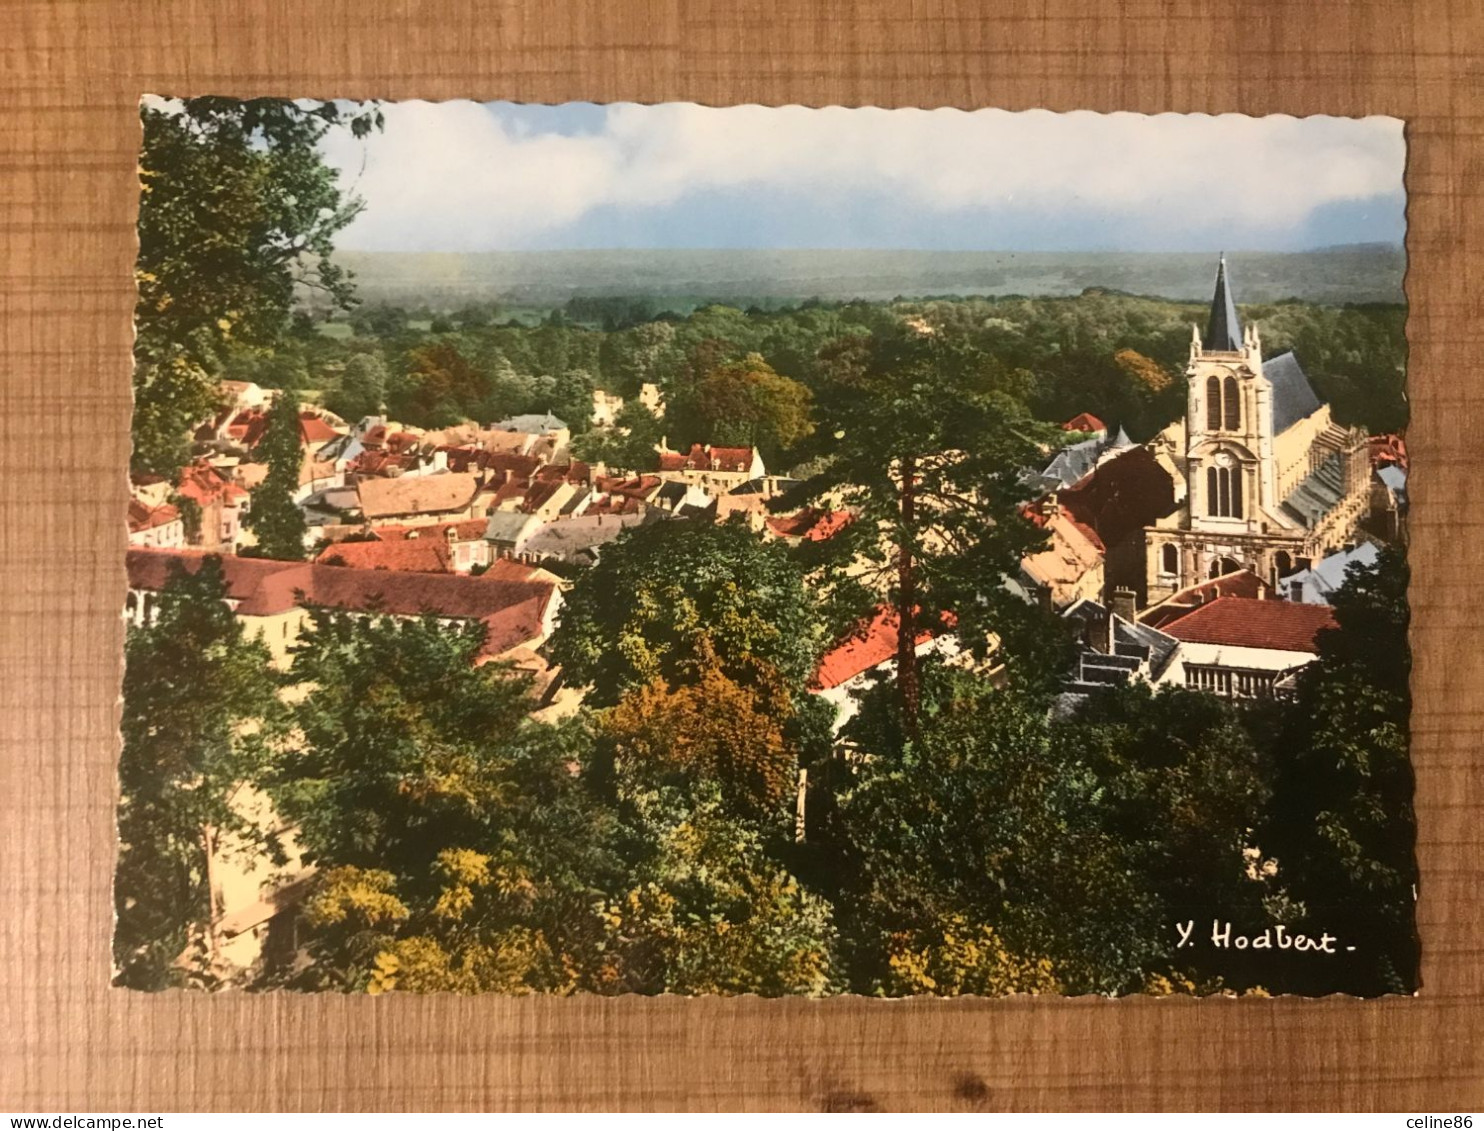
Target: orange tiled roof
419,555
874,643
1084,422
1244,622
1239,583
811,524
315,429
142,517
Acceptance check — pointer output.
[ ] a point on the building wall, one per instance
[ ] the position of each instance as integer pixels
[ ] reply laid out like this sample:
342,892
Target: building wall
166,536
1269,660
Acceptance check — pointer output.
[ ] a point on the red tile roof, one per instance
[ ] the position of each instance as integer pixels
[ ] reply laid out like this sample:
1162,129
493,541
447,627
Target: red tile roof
1084,422
399,443
539,494
142,517
512,609
378,462
811,524
1388,449
1241,583
315,429
701,457
419,555
203,484
248,426
1247,623
510,463
873,643
634,488
1119,498
573,472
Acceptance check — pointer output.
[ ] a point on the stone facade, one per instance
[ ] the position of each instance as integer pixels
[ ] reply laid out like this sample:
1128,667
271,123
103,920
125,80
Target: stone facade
1269,482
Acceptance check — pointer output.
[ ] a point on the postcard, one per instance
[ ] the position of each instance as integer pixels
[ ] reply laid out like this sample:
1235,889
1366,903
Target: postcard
605,549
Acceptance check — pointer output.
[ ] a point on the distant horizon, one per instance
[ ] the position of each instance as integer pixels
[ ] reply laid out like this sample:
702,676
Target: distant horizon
1371,271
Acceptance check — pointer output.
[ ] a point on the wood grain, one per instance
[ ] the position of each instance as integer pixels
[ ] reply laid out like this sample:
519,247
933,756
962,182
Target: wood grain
70,75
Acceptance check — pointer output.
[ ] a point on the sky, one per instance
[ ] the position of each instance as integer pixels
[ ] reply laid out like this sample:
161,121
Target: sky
464,176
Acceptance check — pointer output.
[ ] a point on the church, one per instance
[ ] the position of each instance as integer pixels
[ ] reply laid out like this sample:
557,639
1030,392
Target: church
1264,479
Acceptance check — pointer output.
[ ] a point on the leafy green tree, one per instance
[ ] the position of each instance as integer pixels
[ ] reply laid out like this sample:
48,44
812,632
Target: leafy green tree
927,446
458,849
475,316
379,321
362,388
711,729
630,445
662,594
237,210
1342,827
199,714
986,829
439,386
745,403
275,518
1185,789
712,912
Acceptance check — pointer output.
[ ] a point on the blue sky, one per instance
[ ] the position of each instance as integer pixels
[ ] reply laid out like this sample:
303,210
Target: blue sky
460,176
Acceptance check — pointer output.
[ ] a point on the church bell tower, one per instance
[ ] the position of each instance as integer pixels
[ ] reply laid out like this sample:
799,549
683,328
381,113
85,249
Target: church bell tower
1229,422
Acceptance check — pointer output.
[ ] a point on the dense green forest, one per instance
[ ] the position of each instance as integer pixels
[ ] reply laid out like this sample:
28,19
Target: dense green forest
1117,356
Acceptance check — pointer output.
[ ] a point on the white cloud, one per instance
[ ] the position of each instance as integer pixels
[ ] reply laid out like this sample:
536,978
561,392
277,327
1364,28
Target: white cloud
456,176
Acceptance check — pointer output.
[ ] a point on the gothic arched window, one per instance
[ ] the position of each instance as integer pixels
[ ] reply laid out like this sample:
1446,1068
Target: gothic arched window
1213,403
1233,405
1224,491
1283,563
1170,558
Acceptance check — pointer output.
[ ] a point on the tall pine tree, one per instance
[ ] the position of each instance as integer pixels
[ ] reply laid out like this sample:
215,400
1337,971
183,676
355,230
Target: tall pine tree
275,518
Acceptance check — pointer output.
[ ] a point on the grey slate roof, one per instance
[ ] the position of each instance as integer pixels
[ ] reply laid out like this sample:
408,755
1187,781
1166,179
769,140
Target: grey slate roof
1223,331
1074,462
508,526
1293,397
1395,478
1318,493
1314,586
536,423
1135,647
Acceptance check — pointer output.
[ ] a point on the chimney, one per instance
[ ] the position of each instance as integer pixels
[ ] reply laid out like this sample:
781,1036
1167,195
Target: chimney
1050,507
1124,604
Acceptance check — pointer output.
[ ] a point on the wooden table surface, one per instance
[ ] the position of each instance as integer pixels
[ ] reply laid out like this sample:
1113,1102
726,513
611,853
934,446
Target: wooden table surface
70,77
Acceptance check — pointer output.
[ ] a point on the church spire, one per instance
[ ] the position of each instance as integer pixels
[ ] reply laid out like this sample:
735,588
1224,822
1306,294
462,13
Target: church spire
1223,331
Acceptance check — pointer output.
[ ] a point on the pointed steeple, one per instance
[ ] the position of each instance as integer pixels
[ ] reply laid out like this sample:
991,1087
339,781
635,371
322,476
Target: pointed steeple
1223,331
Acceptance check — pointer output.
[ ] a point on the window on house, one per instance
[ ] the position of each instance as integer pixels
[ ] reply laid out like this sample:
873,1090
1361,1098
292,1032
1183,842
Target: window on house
1283,563
1170,556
